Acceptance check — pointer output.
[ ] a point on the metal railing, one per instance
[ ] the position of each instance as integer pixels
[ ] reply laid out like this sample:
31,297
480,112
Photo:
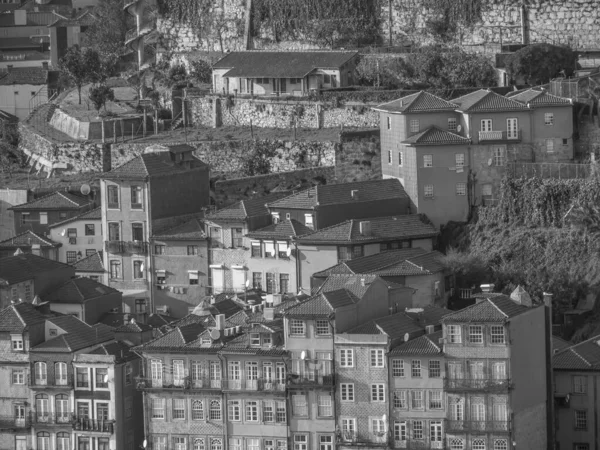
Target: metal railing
499,136
60,418
259,384
558,170
114,247
137,247
12,422
478,425
311,380
476,384
93,425
170,382
66,382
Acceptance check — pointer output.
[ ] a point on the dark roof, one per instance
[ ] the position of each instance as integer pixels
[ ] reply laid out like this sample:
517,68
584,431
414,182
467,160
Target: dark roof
413,226
25,75
158,320
335,194
264,64
176,338
78,335
284,229
226,306
357,284
148,165
582,356
92,263
133,327
487,101
417,103
8,118
535,99
94,214
398,325
559,343
84,19
119,349
14,269
27,239
33,19
436,136
495,309
246,208
78,290
429,315
427,344
16,318
322,304
56,200
191,230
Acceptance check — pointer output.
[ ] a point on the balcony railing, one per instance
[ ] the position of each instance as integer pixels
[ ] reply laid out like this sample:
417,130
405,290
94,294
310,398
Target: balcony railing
483,384
12,422
362,439
114,247
93,425
171,382
316,380
137,247
478,425
500,136
259,384
60,418
65,383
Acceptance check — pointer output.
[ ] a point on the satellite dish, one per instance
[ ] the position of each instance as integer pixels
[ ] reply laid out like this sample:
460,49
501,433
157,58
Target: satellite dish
85,189
215,334
303,354
288,252
145,443
459,128
490,162
64,231
247,283
406,337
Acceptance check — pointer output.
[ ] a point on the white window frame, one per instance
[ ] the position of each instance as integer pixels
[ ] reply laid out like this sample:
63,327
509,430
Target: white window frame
402,396
497,335
377,392
400,431
297,327
486,125
452,124
579,384
499,156
398,368
461,189
416,368
323,328
400,159
347,392
512,128
427,161
454,334
476,334
414,126
549,118
428,191
550,145
377,357
346,357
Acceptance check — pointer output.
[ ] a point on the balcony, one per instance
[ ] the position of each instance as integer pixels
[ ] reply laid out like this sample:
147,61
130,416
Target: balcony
499,136
259,384
476,384
93,425
114,247
47,418
363,439
478,425
177,383
57,383
311,380
419,444
14,423
137,247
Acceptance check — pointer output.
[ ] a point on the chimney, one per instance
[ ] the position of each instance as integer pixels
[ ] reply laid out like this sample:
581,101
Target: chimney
220,322
36,249
487,288
365,228
276,299
430,329
20,17
45,65
354,194
269,313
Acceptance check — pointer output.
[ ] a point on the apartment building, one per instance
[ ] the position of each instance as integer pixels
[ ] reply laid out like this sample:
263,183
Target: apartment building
92,267
29,242
79,236
140,198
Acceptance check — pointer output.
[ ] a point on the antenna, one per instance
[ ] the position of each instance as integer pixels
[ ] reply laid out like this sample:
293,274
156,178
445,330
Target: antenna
85,189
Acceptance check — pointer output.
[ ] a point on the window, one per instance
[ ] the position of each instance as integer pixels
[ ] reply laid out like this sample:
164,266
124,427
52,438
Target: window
72,232
417,429
24,218
400,431
347,390
138,273
416,400
159,249
435,399
478,444
137,231
390,157
399,400
215,236
158,408
284,283
300,442
90,229
581,419
456,443
453,333
512,128
136,197
199,444
500,444
140,305
41,374
325,406
486,190
427,160
251,411
435,370
102,411
215,410
415,368
281,415
389,123
486,125
43,218
299,405
346,358
268,411
114,231
452,124
400,159
192,250
43,441
397,368
234,410
179,443
308,221
83,377
459,159
252,444
498,156
216,444
237,239
18,376
271,283
497,334
102,378
193,277
581,446
257,280
428,191
549,119
376,358
579,384
297,327
348,429
565,141
378,392
112,194
28,292
475,334
549,145
63,440
461,188
71,257
160,443
16,342
325,442
282,249
414,126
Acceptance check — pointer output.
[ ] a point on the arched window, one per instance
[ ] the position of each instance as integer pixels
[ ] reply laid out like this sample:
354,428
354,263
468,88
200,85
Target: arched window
63,441
42,407
41,373
197,410
43,441
199,444
216,444
499,444
62,408
215,410
60,374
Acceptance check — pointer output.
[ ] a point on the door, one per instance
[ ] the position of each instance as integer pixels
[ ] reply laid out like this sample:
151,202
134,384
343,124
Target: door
512,128
19,416
217,280
252,375
476,374
156,372
215,374
486,125
42,408
60,374
239,279
235,376
268,375
455,374
178,372
21,443
283,85
62,408
197,374
499,371
280,375
478,414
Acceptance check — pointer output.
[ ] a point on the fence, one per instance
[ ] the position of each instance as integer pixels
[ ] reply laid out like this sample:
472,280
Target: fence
549,170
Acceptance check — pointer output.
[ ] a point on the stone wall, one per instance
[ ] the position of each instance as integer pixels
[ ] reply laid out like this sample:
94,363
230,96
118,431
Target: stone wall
358,157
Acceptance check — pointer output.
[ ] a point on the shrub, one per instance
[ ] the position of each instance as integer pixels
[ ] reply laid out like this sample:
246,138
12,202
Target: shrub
201,71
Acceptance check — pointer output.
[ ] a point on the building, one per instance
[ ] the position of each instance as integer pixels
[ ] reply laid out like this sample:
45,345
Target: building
39,214
357,238
24,276
25,33
92,267
283,73
325,205
23,88
154,191
180,264
80,236
65,32
30,242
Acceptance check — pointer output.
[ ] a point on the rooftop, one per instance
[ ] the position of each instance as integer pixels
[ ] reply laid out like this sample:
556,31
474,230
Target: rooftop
24,75
322,304
32,19
14,269
191,230
284,229
78,290
76,335
18,317
499,308
26,240
417,103
120,350
536,99
427,344
582,356
94,214
57,200
246,208
149,165
436,136
92,263
487,101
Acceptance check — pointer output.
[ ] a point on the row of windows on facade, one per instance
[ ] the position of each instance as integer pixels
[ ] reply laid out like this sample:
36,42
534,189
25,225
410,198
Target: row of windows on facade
84,411
63,442
26,217
498,158
512,124
160,442
114,231
83,375
73,256
113,197
271,372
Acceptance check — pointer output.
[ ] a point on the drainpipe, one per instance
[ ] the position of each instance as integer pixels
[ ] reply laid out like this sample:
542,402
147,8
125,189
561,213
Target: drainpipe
595,412
224,402
298,270
149,266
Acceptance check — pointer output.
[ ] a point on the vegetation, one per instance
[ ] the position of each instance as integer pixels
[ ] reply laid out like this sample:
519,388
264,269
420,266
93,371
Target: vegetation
100,94
10,156
539,63
82,66
257,159
201,71
107,33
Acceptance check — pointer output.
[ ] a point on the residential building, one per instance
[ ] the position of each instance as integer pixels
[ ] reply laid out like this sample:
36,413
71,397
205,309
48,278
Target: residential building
79,236
65,32
23,88
24,276
230,248
23,34
85,299
140,198
92,267
499,374
274,264
281,73
329,204
357,238
39,214
30,242
414,268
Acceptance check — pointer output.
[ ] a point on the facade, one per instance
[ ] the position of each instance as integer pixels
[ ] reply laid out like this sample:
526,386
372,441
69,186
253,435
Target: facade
140,198
37,215
18,85
65,33
79,236
283,73
25,38
29,242
92,267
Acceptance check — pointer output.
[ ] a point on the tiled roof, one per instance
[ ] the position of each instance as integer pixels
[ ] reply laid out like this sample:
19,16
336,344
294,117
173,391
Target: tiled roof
290,64
148,165
582,356
92,263
398,325
246,208
32,19
120,350
336,194
322,304
357,284
428,344
416,103
487,101
190,230
78,335
436,136
429,315
56,200
27,239
133,327
496,309
369,327
94,214
559,344
78,290
176,338
535,99
14,269
226,306
16,318
413,226
158,320
281,230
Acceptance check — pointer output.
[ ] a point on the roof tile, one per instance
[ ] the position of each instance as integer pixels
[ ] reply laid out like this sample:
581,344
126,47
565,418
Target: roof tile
148,165
78,290
436,136
56,200
535,99
14,269
280,230
92,263
427,344
27,239
487,101
415,103
493,309
246,208
190,230
94,214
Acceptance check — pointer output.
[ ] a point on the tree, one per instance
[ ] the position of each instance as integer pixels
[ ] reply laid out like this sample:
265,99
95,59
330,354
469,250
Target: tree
107,33
100,94
81,67
201,71
539,63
